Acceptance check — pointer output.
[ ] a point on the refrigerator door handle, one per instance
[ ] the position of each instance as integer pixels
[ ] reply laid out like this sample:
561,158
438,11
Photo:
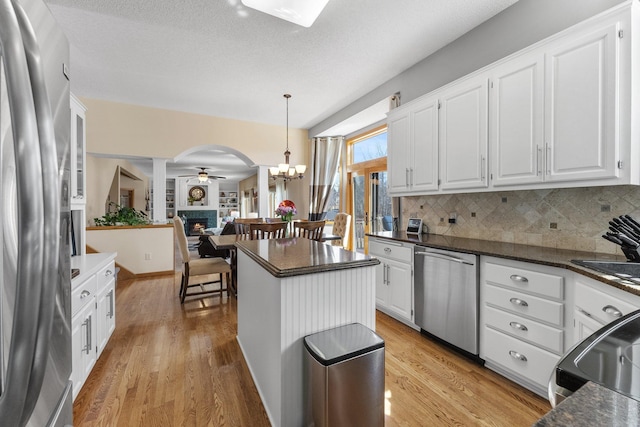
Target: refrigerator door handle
38,214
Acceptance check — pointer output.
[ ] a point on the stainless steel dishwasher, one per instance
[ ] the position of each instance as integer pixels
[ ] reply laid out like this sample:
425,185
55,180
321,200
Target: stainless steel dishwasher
446,296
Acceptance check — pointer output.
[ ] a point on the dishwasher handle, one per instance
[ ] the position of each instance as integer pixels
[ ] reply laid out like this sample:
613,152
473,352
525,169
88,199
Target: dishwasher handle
444,257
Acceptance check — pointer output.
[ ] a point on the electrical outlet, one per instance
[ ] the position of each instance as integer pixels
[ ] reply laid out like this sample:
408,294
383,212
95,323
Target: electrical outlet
147,256
453,217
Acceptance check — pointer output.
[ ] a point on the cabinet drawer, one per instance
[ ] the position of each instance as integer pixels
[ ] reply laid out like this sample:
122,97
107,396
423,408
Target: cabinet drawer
536,333
391,250
526,280
106,275
599,305
527,305
83,294
524,359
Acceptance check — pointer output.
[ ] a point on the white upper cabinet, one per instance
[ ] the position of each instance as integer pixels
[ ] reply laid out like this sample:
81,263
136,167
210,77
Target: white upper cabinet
517,127
398,151
463,135
560,113
413,158
582,105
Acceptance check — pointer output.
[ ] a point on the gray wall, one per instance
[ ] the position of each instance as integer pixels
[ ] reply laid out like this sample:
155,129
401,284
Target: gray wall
524,23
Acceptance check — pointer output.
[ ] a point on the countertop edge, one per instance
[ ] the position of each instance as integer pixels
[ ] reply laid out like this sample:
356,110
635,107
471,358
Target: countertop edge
560,263
291,272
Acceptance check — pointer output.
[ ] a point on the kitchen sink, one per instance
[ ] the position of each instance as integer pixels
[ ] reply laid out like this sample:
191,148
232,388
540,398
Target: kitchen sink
624,270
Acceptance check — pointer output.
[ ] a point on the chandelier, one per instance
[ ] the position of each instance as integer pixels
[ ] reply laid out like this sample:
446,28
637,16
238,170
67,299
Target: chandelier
285,170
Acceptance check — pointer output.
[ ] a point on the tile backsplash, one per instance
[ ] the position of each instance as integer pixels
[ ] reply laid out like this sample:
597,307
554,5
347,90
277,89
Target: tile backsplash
571,218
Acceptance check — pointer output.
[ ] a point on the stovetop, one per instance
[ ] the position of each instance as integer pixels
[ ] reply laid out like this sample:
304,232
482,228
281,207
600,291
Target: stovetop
610,357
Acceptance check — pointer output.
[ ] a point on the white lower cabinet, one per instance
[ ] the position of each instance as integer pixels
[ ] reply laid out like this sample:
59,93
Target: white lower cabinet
596,304
522,319
394,278
93,313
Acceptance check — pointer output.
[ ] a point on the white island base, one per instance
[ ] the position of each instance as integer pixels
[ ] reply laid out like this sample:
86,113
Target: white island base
275,313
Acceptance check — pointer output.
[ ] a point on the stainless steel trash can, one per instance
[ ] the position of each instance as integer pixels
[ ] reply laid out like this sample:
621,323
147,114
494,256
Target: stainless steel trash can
345,377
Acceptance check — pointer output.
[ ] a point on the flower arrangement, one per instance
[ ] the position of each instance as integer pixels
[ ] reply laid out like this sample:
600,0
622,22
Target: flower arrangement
286,210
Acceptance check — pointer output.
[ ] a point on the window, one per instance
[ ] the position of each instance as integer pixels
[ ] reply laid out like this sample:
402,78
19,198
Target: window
371,146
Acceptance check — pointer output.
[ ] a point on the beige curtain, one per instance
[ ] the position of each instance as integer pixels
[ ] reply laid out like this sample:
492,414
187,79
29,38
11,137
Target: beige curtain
325,155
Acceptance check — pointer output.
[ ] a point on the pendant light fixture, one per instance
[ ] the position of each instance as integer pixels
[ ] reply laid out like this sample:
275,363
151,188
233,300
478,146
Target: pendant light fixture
285,170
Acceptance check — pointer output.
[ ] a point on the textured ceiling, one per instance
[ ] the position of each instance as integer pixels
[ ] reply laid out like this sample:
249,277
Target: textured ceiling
219,58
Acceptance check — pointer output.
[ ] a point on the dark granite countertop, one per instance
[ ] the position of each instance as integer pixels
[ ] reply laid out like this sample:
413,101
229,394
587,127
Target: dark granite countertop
535,254
297,256
593,405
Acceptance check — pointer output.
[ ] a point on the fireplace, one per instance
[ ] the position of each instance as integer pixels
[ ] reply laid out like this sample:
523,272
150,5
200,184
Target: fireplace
195,225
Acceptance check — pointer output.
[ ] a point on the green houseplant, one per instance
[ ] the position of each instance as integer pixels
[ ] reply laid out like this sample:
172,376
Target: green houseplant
122,216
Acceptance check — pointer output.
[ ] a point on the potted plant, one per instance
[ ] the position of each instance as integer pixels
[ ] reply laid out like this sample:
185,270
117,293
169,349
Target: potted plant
122,216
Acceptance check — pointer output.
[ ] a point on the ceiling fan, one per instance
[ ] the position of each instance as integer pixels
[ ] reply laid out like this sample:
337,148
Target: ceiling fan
203,177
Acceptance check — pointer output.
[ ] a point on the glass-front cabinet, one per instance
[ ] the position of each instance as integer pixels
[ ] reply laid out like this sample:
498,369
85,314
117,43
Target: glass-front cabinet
78,144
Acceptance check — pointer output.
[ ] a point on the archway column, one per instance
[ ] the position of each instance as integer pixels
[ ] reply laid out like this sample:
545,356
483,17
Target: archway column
159,213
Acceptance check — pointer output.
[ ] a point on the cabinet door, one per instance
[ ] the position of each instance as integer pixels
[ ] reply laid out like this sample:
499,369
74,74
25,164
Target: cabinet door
83,346
382,290
581,98
105,317
77,151
400,287
398,152
463,135
423,173
516,129
583,325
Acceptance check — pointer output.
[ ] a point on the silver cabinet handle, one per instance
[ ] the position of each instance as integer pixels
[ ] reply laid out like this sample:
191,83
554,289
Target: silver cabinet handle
111,305
538,159
406,176
520,326
517,356
84,294
387,250
387,267
384,274
482,161
411,176
443,256
586,313
518,278
612,311
518,301
108,273
548,159
87,324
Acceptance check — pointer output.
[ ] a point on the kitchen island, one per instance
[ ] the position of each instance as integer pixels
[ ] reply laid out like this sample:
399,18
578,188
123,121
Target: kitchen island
287,289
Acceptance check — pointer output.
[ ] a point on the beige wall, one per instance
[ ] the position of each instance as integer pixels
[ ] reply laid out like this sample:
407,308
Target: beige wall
100,175
140,250
582,215
115,128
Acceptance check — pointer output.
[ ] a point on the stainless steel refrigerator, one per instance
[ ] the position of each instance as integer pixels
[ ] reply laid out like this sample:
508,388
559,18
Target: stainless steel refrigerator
35,304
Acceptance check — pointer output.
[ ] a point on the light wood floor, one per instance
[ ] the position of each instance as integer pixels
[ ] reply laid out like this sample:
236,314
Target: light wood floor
169,364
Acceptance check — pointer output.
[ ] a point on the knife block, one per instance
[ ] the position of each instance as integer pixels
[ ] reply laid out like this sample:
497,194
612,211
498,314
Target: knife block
631,253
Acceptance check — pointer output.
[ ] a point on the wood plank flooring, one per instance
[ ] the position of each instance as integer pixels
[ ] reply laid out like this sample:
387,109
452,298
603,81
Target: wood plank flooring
169,364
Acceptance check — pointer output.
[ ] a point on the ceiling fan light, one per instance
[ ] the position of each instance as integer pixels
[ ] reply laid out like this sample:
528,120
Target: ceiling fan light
301,169
203,176
300,12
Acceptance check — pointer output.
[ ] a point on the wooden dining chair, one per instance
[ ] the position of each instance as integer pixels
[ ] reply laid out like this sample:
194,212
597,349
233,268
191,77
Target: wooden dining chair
242,226
265,230
312,230
199,272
